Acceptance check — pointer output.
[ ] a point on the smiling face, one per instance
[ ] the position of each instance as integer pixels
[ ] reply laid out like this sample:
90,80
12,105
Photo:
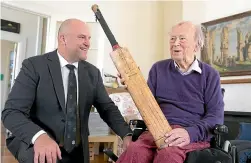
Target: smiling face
182,42
76,40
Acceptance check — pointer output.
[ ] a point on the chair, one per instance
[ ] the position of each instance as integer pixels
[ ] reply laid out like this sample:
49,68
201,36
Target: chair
219,152
215,151
239,135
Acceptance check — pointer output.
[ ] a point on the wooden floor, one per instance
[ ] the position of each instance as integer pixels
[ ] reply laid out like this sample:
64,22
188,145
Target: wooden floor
99,159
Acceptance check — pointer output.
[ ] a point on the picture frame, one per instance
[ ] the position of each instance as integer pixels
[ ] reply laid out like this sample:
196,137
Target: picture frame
228,46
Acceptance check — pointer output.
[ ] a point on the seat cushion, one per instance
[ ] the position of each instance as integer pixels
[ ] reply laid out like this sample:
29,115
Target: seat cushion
243,149
210,155
245,156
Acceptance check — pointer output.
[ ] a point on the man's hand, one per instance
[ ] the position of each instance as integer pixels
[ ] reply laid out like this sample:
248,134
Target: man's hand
177,137
46,150
126,142
122,80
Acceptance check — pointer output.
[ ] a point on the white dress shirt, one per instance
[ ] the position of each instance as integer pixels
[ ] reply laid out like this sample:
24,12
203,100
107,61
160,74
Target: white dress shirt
65,72
194,67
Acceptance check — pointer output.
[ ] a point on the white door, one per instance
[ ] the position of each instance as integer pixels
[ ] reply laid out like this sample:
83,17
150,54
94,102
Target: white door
13,52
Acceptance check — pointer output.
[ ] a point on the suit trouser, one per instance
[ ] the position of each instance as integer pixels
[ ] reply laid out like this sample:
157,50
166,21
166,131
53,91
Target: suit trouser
76,156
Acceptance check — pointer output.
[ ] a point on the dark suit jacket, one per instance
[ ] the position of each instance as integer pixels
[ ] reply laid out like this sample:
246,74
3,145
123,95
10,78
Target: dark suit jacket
36,102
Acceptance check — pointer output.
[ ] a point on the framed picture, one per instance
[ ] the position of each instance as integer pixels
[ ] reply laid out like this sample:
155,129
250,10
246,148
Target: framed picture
228,45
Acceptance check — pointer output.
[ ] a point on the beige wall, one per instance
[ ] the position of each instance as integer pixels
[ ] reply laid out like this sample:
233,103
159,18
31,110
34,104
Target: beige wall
137,25
143,27
173,13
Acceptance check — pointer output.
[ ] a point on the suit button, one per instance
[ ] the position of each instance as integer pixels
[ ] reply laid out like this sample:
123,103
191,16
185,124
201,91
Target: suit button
62,120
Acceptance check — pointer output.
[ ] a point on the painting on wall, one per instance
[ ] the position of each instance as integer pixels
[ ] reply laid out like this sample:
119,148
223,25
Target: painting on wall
228,45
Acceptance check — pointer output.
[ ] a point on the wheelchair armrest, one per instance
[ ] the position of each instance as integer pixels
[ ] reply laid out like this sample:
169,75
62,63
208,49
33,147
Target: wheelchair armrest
241,144
137,123
235,146
219,131
138,127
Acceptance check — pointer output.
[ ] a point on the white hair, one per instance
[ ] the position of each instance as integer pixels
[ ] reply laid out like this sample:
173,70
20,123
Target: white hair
199,36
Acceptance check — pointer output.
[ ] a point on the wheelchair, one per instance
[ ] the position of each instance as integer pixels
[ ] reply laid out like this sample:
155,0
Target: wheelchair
215,154
221,150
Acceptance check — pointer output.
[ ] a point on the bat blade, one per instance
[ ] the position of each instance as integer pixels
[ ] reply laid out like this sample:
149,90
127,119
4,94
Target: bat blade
141,94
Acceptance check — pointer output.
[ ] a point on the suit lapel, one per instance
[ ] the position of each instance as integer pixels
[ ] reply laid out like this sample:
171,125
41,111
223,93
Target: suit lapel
83,81
56,75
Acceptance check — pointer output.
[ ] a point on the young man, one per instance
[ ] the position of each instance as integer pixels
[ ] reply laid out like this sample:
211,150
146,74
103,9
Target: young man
48,108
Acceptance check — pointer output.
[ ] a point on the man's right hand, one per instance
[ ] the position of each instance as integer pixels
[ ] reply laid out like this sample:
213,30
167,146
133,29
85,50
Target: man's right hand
46,150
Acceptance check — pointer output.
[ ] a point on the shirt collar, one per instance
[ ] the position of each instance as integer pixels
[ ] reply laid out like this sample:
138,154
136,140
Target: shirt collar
194,67
63,62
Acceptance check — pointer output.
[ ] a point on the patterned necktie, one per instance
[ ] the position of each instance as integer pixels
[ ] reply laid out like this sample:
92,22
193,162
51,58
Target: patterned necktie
71,108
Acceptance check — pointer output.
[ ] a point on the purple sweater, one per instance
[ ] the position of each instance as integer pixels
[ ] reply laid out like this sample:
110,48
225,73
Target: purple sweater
193,101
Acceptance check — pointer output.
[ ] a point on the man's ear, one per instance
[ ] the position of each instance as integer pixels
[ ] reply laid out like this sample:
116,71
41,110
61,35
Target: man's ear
196,49
62,39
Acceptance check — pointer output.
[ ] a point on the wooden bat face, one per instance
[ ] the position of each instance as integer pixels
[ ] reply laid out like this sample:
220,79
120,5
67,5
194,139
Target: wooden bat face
124,63
152,115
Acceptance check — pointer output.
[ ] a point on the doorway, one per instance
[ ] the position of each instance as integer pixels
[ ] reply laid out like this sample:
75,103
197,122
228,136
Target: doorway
7,74
8,60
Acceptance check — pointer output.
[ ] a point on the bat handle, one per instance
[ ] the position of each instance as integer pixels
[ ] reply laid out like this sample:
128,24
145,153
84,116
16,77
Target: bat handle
105,27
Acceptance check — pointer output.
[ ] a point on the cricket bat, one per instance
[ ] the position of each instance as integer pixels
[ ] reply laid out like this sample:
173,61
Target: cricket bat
141,94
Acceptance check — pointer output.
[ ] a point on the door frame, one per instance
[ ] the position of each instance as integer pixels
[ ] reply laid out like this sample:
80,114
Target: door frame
20,55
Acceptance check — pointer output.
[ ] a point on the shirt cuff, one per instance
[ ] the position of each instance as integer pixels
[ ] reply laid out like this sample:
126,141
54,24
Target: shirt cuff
37,135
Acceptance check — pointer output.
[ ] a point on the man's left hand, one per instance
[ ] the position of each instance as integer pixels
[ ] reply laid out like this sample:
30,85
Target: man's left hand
177,137
126,142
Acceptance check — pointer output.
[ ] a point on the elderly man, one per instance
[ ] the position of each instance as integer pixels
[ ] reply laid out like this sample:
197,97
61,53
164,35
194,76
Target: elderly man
188,92
48,108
